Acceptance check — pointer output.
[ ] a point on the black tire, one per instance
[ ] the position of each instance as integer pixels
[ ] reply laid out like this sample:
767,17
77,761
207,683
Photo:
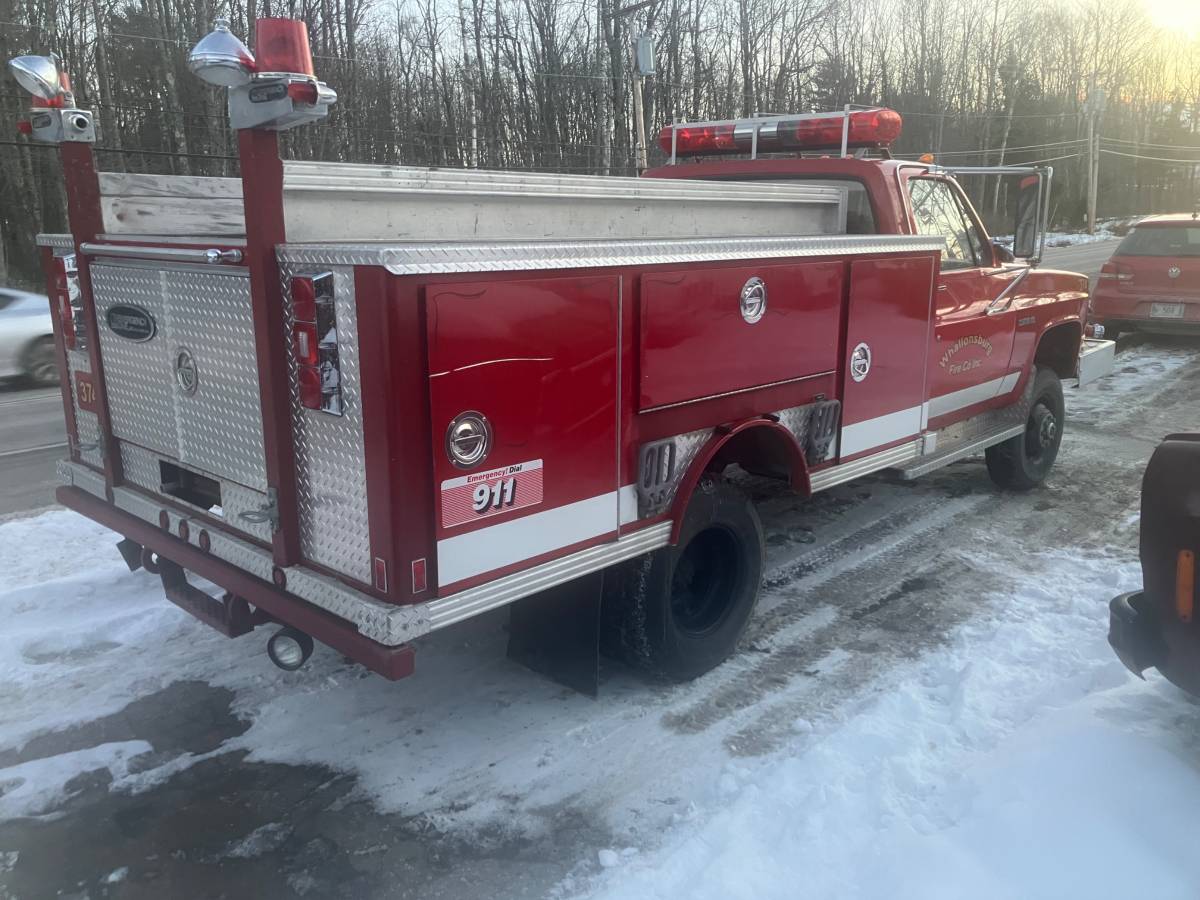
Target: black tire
679,612
40,363
1111,332
1024,461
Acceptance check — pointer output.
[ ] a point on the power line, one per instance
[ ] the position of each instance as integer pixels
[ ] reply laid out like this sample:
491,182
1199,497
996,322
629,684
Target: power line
125,151
1154,146
1182,162
1026,148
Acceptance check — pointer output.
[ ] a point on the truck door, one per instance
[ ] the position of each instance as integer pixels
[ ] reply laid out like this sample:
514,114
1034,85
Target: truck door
974,327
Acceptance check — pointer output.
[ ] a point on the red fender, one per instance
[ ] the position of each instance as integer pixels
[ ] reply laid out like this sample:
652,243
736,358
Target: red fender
778,441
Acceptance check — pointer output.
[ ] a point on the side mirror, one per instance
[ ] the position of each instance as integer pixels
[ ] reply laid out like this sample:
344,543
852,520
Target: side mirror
1001,254
1025,231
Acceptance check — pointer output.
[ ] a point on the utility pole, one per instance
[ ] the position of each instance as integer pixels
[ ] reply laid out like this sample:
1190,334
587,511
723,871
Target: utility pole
1093,108
643,65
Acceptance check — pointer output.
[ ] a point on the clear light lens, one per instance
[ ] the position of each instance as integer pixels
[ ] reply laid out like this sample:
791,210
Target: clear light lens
286,652
220,58
38,75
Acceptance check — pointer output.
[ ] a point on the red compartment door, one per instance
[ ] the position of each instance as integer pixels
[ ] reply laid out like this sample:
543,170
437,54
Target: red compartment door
538,358
891,316
695,342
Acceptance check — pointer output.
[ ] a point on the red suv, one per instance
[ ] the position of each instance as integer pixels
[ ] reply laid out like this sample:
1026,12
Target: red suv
1152,282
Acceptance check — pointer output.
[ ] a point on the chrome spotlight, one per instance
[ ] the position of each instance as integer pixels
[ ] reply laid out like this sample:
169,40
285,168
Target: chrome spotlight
38,75
220,58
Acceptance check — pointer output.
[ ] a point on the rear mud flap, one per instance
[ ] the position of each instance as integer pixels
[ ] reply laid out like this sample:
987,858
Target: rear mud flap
557,633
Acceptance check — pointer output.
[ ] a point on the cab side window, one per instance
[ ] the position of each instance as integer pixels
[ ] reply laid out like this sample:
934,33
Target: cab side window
938,212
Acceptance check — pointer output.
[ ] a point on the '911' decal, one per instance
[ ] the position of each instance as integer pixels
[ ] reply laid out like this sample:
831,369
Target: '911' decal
481,495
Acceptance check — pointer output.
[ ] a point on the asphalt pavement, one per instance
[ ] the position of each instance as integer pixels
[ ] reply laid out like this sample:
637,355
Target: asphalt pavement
33,439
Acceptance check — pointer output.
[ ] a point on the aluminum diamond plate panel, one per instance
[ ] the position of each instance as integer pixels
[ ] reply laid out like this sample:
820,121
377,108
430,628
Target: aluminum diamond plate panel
87,424
497,256
656,497
331,473
217,429
57,241
141,467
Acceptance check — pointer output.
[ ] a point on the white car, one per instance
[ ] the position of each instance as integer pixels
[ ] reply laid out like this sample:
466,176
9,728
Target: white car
26,338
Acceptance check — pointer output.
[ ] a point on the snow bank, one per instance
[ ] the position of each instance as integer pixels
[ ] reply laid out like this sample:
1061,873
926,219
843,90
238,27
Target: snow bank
1019,762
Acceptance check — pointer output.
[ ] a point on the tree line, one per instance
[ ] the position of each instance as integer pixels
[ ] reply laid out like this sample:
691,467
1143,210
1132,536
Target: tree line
545,85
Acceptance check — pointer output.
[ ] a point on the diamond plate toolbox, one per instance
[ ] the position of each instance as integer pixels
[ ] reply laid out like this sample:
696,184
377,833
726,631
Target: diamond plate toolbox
213,422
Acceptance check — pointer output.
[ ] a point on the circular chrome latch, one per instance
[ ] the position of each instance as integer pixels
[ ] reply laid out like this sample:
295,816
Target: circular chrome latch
1173,272
754,300
187,375
860,362
468,440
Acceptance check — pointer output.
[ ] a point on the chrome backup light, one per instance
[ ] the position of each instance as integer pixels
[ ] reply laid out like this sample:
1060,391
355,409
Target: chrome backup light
220,58
289,648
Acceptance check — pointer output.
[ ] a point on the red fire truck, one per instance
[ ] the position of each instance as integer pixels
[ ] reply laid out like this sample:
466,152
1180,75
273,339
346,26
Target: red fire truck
369,402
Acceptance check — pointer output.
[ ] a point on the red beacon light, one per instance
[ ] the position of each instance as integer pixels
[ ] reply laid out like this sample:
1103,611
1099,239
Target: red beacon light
859,128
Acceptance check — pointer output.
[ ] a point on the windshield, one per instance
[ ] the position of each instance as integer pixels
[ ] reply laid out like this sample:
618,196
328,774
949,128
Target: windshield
1150,240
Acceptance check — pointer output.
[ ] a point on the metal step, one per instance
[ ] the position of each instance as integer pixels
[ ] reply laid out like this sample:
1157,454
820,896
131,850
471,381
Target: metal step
959,450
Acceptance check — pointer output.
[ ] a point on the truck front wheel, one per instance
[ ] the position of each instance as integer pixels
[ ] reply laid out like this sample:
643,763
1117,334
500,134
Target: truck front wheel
678,612
1024,461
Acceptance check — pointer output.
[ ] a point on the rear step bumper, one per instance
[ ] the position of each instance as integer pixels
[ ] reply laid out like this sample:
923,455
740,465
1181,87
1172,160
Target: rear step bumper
368,630
389,661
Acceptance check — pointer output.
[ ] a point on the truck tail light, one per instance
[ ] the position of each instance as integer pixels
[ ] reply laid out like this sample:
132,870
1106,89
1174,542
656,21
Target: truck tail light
66,320
1185,585
67,302
862,128
315,343
1112,271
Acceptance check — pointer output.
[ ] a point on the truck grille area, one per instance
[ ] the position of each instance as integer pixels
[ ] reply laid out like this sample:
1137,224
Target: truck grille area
211,420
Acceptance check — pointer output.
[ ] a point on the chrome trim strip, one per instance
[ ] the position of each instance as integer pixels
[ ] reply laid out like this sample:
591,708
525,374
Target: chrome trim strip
57,241
169,254
926,466
745,390
433,258
511,588
886,459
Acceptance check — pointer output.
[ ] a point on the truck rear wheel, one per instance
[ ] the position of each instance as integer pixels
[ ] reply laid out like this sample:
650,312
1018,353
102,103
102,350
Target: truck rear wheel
678,612
1024,461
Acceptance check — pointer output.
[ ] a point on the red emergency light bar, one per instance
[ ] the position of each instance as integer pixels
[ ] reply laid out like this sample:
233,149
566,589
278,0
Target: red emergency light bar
859,128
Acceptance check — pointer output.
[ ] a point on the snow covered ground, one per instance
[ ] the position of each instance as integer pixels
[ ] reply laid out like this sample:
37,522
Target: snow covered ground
925,705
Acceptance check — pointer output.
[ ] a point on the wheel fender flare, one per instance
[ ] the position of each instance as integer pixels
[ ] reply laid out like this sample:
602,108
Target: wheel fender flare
1057,346
743,440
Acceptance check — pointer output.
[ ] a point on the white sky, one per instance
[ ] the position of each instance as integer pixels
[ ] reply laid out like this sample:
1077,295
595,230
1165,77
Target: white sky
1179,15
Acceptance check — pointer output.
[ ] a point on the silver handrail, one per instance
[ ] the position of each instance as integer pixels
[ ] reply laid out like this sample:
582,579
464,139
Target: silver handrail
171,254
